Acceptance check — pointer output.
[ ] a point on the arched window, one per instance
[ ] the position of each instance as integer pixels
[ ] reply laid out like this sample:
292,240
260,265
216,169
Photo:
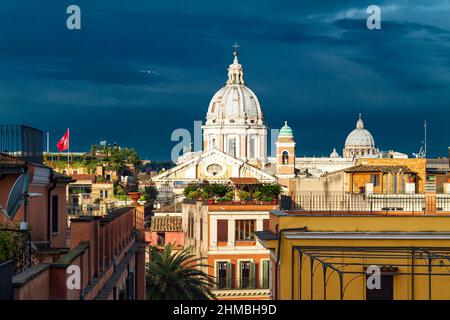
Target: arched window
285,157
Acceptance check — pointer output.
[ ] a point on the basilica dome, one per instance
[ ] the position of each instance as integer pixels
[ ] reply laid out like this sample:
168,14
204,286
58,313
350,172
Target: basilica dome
234,103
359,142
359,137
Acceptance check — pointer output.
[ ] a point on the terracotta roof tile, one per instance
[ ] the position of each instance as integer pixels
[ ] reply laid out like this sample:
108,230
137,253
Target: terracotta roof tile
380,168
166,223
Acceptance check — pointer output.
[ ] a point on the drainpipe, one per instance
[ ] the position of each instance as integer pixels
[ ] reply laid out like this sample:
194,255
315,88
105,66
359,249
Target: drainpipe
279,255
49,193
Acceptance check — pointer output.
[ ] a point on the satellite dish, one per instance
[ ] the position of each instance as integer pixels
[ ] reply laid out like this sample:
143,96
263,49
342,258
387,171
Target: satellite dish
16,197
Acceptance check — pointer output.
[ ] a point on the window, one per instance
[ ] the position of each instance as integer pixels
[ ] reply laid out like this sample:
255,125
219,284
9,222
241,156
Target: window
103,194
245,230
251,147
266,224
265,274
161,239
201,229
246,274
214,169
190,228
222,230
386,291
285,157
55,214
224,273
375,179
232,147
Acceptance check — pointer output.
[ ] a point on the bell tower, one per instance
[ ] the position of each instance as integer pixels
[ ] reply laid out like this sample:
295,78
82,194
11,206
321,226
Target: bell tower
285,155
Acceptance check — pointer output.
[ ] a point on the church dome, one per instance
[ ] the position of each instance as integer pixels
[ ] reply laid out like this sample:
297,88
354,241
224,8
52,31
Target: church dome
334,154
235,103
286,131
360,137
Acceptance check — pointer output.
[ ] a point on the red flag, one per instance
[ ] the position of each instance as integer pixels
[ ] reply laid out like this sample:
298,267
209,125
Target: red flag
63,144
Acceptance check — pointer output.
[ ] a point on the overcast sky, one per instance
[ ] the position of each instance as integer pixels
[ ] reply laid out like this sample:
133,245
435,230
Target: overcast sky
137,70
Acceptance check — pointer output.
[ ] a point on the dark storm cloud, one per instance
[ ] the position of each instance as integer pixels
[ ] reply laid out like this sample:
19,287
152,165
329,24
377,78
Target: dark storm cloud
149,67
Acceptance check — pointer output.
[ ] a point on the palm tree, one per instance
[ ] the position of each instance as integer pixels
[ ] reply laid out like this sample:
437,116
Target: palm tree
177,276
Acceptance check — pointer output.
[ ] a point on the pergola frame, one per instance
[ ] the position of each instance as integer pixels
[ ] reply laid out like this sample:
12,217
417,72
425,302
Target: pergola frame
407,254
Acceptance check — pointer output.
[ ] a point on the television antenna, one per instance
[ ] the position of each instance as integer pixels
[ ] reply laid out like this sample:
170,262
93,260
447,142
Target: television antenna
18,197
423,149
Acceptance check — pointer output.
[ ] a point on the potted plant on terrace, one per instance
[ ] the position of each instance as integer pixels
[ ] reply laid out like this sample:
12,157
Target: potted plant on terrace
244,196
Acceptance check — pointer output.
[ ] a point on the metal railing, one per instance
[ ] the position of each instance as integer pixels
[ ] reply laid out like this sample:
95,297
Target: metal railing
355,202
23,142
91,209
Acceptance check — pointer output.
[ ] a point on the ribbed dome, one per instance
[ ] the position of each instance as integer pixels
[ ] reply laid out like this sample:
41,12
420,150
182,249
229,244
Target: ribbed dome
360,137
235,103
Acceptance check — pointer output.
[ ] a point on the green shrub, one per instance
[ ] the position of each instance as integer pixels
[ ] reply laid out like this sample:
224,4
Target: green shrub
268,191
244,195
217,190
190,188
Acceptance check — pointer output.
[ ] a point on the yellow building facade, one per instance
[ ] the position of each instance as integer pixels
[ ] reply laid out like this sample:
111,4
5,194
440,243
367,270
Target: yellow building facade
327,256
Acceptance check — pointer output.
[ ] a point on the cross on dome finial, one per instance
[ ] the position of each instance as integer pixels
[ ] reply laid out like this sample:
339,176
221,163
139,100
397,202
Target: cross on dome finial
235,73
236,46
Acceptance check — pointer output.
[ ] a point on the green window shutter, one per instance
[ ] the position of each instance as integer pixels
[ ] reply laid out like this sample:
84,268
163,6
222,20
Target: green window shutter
252,275
217,274
265,274
229,275
240,274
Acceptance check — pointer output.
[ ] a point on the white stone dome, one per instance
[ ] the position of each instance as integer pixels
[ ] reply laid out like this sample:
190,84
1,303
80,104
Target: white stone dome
235,103
360,137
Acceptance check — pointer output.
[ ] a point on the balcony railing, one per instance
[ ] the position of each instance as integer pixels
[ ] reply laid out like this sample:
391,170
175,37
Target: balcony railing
355,202
232,202
91,209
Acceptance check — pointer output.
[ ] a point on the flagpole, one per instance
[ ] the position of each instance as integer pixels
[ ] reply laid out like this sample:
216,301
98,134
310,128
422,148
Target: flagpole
68,148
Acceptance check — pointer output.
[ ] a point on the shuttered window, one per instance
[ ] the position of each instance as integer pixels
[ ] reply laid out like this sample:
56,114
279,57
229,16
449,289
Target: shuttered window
245,230
224,275
265,274
247,274
222,230
266,224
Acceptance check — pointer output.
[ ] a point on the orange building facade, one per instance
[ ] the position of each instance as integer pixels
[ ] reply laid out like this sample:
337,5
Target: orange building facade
99,257
224,236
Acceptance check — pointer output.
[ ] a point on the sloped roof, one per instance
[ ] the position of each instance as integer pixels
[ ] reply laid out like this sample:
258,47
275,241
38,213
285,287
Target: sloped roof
238,181
379,168
166,224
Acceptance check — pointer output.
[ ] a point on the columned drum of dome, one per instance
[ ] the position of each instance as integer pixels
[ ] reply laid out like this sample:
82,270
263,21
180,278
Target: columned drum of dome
359,142
234,122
